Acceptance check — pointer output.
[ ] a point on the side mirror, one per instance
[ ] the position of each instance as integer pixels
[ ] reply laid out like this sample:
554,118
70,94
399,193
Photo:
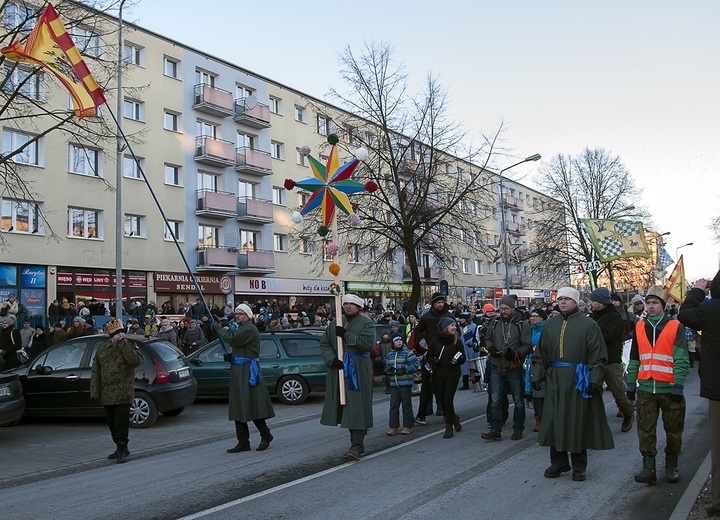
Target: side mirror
195,361
43,370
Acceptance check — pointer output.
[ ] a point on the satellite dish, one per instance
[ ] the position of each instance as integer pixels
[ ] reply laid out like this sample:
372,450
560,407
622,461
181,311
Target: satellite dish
251,102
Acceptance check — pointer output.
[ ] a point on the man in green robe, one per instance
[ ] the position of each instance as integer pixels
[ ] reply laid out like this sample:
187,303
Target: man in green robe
571,359
358,335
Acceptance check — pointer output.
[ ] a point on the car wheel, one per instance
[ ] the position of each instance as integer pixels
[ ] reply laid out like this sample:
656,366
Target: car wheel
292,390
173,413
143,411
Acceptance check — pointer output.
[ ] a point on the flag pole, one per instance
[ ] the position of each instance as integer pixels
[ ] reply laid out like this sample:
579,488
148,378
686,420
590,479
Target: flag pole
338,314
167,223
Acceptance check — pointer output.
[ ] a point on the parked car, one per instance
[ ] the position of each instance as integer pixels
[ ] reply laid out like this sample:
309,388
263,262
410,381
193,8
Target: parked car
57,381
12,402
290,363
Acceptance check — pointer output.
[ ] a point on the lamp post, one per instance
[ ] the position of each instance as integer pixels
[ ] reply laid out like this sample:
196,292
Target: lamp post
503,234
119,223
677,257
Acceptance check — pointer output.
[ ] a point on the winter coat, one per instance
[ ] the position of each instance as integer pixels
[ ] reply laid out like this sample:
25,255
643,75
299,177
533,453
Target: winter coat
512,334
10,343
613,331
168,334
571,422
441,351
467,336
191,336
56,336
247,403
37,345
427,328
705,316
536,331
112,379
359,339
400,367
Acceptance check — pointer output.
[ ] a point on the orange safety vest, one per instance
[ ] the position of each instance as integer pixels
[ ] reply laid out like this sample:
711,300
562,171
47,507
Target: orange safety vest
656,362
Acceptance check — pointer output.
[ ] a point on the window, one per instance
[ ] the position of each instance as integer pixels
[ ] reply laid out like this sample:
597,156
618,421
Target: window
208,236
205,78
134,54
241,91
246,189
498,269
354,254
302,160
130,167
134,110
19,15
305,246
277,150
206,181
172,121
22,217
171,67
85,161
280,242
203,128
172,175
478,238
327,257
466,265
134,226
245,140
303,197
27,82
324,125
454,262
248,240
275,105
478,267
87,42
85,223
177,227
374,253
12,141
300,116
490,268
278,196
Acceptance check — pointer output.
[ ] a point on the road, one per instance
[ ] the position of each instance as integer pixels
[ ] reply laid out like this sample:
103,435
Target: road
179,469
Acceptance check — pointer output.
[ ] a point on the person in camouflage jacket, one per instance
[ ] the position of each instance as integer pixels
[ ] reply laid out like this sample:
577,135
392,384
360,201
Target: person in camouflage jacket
112,383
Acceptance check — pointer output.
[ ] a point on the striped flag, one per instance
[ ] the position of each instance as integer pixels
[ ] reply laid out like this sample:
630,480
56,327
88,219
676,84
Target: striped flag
676,285
50,46
613,239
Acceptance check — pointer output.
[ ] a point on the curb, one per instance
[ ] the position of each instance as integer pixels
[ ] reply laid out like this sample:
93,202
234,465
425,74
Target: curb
688,499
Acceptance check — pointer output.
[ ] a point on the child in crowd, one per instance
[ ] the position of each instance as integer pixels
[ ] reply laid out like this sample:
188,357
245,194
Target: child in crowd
400,367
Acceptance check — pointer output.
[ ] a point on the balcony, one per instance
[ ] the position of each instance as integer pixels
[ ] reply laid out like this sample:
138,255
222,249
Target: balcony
256,262
214,152
519,282
217,259
215,204
513,202
515,228
213,100
427,274
256,117
252,161
255,211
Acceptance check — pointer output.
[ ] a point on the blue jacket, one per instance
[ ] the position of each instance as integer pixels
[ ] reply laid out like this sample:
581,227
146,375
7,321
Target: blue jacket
400,366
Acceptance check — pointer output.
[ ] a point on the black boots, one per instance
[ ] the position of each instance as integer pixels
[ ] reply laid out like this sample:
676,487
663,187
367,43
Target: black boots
457,424
122,453
671,469
466,383
265,442
647,475
448,431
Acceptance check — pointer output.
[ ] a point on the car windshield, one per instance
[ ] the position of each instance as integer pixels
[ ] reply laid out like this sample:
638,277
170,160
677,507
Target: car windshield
165,350
299,347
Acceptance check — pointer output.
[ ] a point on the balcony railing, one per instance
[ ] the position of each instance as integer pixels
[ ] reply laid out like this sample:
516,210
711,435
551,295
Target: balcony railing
258,262
215,152
515,228
427,274
252,161
514,202
519,282
217,259
256,117
215,204
254,210
212,100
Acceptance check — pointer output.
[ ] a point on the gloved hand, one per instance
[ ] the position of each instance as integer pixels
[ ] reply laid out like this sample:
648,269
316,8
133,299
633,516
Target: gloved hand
483,352
340,332
594,389
475,346
528,397
509,354
460,360
391,370
336,363
224,322
676,393
433,362
631,395
493,351
227,357
535,385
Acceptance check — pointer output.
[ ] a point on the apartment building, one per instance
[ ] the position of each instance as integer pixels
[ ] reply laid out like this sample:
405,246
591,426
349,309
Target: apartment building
216,143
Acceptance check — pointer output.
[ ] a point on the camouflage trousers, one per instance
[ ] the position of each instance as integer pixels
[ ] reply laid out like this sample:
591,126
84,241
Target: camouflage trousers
647,408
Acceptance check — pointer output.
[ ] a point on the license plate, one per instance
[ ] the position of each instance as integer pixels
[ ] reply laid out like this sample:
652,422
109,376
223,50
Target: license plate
4,390
183,372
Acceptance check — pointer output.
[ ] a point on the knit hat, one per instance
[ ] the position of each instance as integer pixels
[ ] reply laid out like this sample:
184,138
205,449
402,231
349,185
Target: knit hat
9,319
659,293
488,307
444,323
78,319
569,292
245,309
437,297
508,300
394,323
601,295
637,298
616,297
354,299
540,313
113,327
397,337
581,303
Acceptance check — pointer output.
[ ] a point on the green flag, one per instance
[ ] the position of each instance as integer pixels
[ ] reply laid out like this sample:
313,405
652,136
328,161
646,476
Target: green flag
613,239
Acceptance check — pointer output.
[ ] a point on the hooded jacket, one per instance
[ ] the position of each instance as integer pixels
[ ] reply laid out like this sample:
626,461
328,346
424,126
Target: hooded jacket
704,316
611,324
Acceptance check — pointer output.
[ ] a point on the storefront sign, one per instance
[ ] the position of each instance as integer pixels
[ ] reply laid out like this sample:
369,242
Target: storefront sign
183,283
99,280
32,276
281,286
499,293
379,287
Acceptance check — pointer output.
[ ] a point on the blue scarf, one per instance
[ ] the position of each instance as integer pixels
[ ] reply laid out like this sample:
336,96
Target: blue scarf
350,370
255,374
582,376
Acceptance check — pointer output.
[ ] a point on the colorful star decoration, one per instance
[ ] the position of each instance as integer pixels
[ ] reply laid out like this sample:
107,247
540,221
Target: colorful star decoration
330,185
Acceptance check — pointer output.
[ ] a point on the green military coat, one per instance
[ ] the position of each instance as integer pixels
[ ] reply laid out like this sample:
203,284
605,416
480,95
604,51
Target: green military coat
112,379
571,422
247,403
357,413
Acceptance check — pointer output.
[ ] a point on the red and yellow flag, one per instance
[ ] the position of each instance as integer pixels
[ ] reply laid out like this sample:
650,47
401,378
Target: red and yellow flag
676,286
49,45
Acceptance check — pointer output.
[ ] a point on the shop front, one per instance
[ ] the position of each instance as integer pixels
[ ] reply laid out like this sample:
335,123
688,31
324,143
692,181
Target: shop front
177,288
29,285
294,292
391,296
99,284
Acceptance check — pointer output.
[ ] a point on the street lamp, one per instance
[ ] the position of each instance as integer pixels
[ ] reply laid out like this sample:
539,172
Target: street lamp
679,248
119,221
503,234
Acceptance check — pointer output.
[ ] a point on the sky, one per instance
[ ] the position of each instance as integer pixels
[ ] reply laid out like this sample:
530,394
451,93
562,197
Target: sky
640,79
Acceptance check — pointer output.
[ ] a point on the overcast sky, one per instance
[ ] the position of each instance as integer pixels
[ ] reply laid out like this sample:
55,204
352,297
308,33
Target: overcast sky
640,79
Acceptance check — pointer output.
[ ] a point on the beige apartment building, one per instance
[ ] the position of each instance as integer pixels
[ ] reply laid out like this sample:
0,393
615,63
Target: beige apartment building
216,143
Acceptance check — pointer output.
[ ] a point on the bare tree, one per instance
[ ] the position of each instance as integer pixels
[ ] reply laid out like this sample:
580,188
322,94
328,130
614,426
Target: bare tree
593,184
425,194
27,92
715,228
